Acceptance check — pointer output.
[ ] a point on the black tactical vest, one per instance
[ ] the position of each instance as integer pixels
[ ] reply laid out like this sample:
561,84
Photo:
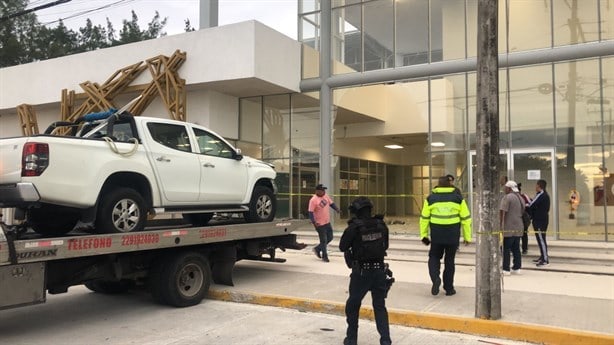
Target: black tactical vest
370,244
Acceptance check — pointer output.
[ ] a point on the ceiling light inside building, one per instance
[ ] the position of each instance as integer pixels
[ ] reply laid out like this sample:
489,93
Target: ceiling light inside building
438,144
393,147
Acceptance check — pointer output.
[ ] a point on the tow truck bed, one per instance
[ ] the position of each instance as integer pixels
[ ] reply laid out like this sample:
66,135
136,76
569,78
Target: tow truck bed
161,259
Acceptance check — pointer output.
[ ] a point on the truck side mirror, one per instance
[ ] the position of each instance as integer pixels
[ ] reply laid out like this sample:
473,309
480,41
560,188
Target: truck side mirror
238,156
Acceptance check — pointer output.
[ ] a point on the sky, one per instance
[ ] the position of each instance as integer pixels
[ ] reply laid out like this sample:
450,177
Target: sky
280,15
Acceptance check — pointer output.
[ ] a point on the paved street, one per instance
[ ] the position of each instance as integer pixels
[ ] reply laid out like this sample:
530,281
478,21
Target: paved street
573,301
83,317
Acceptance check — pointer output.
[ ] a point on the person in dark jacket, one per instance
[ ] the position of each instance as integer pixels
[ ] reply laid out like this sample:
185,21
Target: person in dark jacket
364,243
444,212
539,208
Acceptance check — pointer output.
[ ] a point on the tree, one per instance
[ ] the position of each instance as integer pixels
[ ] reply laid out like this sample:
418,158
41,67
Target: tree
92,37
24,39
188,26
60,40
131,32
16,34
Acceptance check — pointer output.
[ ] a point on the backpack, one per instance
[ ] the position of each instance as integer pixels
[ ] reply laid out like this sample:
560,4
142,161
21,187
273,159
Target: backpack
526,218
371,244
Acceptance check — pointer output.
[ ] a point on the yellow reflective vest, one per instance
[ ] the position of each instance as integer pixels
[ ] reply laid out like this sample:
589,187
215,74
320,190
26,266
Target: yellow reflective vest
445,212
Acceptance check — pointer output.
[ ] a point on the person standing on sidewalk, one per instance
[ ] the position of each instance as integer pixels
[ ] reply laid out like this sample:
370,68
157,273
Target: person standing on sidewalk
539,208
364,243
510,221
444,212
525,233
320,218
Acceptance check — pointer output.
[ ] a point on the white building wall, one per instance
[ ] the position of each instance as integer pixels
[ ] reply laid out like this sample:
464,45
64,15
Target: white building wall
222,64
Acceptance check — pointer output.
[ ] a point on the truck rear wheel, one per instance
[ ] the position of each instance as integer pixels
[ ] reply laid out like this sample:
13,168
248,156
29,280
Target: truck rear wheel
262,206
121,210
181,280
52,220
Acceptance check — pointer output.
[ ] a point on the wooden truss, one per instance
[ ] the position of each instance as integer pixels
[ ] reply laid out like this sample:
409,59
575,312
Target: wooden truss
100,97
27,119
165,82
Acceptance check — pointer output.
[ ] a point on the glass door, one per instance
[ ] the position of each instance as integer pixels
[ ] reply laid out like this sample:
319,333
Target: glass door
304,183
525,166
531,165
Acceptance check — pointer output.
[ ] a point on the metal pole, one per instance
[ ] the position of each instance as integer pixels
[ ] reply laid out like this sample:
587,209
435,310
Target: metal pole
326,119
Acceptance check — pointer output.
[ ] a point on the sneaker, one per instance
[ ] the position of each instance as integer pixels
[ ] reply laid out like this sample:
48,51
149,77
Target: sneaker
325,260
517,272
435,287
525,252
450,292
542,263
537,260
506,273
317,252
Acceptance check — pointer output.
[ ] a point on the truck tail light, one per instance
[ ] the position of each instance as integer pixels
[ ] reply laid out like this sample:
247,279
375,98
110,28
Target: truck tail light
35,159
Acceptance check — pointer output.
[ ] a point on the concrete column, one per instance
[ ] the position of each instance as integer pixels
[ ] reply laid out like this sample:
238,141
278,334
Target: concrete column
326,119
208,14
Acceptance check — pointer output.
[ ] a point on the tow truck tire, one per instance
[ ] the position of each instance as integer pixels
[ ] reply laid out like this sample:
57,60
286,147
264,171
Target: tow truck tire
51,220
262,206
198,219
109,287
181,280
121,210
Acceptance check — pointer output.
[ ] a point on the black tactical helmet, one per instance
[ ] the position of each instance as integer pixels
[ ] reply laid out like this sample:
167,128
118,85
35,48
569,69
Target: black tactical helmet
360,203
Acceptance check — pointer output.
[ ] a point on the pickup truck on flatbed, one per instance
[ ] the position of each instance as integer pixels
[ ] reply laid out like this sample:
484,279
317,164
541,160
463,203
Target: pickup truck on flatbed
115,172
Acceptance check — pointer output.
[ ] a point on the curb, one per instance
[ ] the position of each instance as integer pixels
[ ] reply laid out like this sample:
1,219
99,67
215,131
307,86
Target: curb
497,329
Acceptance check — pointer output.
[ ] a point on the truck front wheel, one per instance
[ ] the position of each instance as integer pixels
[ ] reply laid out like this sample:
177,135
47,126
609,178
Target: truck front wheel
181,280
121,210
262,205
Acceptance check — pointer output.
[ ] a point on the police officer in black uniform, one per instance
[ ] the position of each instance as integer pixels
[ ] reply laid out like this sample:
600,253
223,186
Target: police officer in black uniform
364,243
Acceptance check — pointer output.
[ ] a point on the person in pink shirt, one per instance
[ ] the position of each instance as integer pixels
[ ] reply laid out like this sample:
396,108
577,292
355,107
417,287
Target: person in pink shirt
320,218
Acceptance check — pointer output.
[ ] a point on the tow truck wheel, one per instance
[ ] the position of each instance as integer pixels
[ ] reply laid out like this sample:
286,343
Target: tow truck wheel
109,287
198,219
262,206
121,210
181,280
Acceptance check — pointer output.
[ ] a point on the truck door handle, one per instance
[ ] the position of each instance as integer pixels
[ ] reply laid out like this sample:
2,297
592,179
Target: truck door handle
208,165
163,159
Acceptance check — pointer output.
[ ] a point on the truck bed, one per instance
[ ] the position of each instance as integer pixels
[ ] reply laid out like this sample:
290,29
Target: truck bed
81,245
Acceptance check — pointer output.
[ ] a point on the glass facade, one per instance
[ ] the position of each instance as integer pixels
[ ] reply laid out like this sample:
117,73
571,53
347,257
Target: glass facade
556,119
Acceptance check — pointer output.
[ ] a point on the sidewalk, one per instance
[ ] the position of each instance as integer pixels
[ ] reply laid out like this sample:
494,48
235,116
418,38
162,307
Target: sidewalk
538,306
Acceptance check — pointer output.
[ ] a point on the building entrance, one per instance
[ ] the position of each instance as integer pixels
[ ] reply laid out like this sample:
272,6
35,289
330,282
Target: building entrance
525,166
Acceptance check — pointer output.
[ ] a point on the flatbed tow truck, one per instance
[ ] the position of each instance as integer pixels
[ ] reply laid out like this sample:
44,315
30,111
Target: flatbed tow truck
176,263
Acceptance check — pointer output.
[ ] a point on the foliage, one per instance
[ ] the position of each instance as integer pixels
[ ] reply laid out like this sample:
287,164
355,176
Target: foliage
24,39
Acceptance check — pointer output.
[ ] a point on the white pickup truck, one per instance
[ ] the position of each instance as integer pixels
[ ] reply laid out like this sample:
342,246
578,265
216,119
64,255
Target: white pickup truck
115,172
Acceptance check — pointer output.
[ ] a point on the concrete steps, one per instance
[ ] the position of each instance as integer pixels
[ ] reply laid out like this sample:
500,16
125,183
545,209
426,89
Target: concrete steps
565,256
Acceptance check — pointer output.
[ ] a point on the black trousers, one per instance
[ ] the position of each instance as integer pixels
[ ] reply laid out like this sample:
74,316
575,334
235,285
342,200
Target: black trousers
525,240
436,252
511,245
362,281
540,235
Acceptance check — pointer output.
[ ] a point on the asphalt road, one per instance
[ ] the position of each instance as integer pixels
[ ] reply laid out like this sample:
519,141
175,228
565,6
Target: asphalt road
84,317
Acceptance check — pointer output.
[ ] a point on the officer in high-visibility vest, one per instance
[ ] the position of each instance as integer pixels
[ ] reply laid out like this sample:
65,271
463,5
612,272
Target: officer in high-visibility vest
444,212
